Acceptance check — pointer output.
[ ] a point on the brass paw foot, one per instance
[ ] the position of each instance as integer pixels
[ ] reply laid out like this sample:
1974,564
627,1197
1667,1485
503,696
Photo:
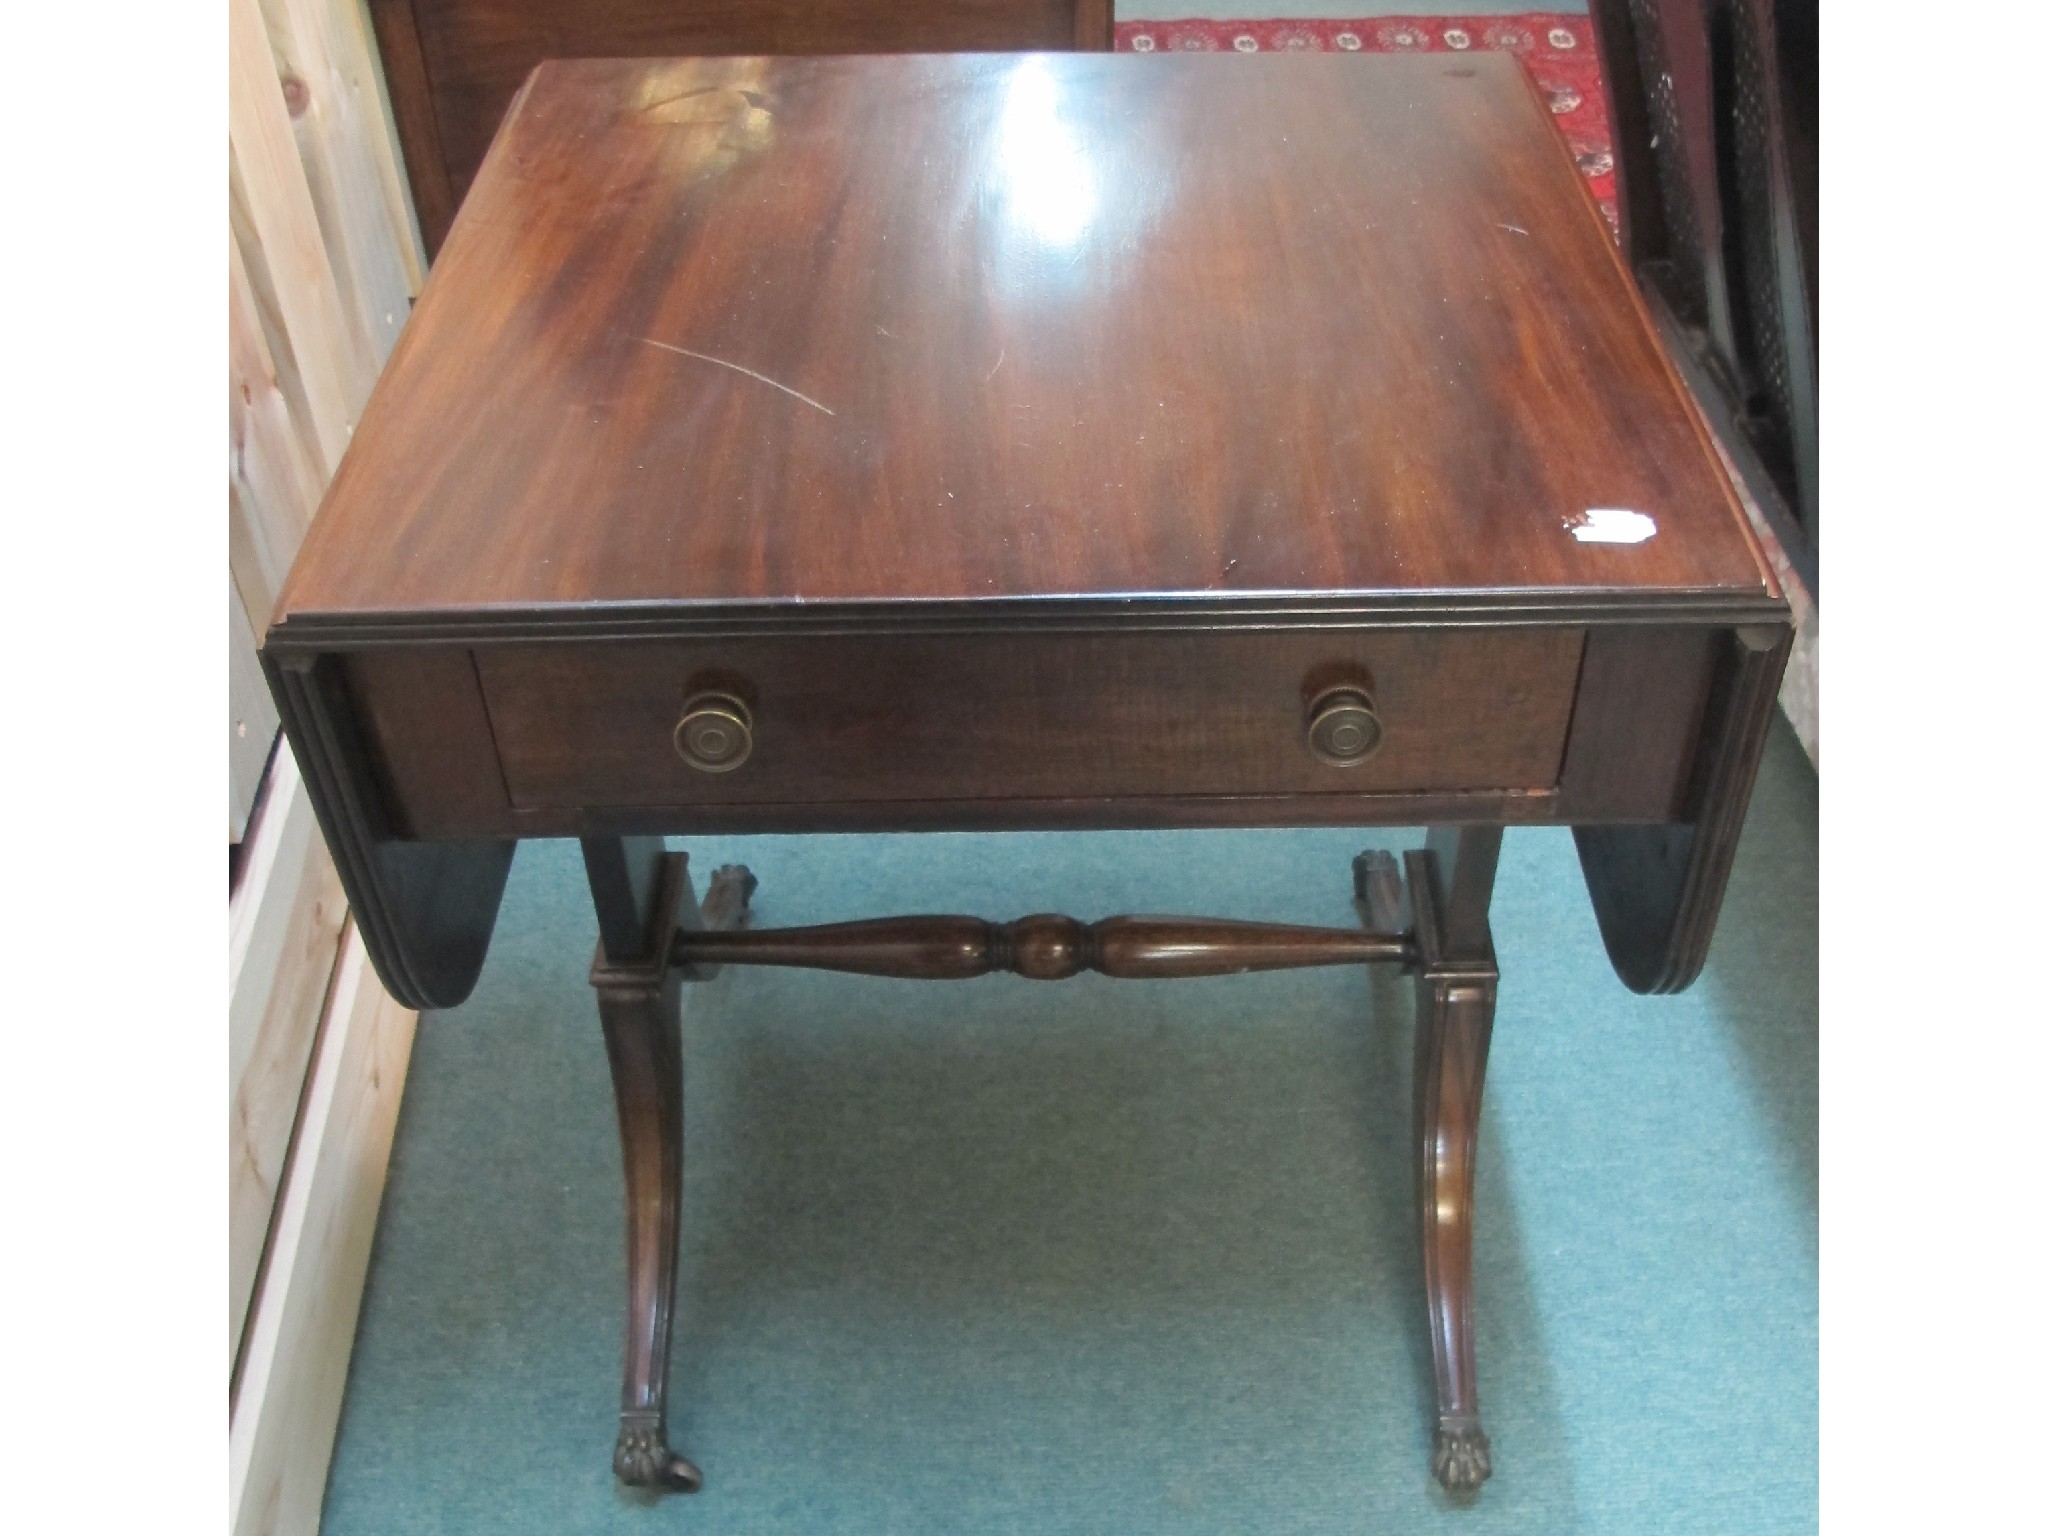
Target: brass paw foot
1463,1456
643,1460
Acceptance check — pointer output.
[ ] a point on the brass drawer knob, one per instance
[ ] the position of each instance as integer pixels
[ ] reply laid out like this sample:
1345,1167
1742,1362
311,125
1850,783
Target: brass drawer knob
1342,729
716,733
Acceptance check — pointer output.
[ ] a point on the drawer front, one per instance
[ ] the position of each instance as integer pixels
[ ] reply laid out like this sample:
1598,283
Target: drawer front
1028,716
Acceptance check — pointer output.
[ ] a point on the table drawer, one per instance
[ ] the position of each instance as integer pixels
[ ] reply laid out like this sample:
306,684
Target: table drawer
1037,716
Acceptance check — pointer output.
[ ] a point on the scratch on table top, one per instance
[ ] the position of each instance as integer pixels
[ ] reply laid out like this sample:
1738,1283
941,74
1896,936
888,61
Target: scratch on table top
740,368
999,363
680,96
1514,228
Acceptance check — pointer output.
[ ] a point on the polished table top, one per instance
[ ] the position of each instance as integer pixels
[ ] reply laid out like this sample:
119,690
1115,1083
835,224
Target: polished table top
794,333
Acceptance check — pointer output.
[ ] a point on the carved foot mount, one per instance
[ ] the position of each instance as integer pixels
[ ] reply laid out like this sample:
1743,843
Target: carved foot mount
643,895
643,1459
1463,1458
1449,885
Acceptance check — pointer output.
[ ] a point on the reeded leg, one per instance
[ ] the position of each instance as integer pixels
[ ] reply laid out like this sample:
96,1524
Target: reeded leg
1451,885
643,1038
642,895
1454,1020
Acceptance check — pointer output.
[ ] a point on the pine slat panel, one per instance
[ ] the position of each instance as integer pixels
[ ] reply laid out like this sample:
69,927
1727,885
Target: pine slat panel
336,113
274,483
325,260
252,719
333,368
284,930
295,1363
277,340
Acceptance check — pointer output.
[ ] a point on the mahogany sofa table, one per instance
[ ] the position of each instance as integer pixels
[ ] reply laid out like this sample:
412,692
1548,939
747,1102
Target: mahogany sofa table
1027,441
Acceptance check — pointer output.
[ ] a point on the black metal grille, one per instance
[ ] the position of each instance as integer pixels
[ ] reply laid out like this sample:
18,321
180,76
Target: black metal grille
1687,288
1755,235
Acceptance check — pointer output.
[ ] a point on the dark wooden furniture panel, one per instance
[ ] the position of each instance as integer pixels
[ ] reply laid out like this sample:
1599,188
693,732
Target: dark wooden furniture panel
427,733
425,909
996,329
1636,718
1642,693
454,65
980,717
1657,889
1011,441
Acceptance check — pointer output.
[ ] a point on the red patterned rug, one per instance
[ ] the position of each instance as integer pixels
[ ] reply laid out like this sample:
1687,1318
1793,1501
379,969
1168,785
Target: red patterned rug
1558,51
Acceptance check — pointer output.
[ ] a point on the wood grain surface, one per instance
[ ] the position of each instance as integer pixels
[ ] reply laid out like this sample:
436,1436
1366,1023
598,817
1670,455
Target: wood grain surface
1001,717
454,65
789,334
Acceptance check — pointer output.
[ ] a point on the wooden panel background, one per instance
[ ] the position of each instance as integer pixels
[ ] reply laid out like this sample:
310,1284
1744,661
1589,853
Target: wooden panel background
295,1359
324,261
252,719
453,65
284,924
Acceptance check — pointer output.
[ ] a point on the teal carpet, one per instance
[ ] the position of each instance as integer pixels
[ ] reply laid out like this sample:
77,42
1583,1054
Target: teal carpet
1106,1256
